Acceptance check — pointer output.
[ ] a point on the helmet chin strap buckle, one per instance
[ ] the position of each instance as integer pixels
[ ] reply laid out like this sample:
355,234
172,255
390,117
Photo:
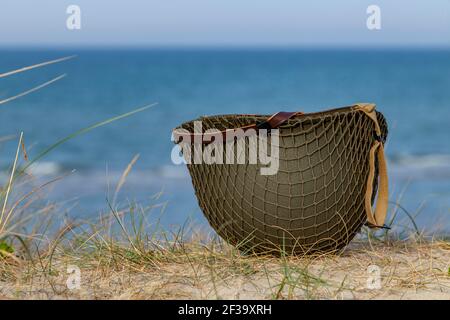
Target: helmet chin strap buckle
373,226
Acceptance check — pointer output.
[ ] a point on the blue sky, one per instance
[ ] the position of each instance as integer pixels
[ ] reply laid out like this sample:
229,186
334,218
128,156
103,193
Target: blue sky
225,22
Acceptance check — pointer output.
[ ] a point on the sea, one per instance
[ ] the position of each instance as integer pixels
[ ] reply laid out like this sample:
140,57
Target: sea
410,86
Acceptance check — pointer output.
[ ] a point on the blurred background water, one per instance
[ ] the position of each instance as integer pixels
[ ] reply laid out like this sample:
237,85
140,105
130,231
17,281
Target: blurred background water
411,87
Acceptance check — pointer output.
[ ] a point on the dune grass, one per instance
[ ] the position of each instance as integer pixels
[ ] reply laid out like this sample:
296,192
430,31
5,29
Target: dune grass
120,256
126,254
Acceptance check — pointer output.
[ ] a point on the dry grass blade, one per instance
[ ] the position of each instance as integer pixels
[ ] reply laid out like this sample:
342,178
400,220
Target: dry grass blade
27,196
3,220
43,85
124,177
10,73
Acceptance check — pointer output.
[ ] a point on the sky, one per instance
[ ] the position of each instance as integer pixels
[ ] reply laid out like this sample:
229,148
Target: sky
225,23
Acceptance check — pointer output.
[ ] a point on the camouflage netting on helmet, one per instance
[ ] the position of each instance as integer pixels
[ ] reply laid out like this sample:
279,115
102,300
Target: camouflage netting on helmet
315,202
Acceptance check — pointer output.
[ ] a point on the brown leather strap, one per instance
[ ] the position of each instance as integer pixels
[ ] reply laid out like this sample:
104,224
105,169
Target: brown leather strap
272,122
279,118
376,218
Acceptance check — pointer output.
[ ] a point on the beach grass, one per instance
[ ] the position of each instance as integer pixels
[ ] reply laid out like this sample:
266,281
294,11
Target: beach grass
120,260
125,253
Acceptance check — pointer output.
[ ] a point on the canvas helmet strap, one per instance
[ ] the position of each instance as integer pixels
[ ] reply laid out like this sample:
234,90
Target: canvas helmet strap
377,216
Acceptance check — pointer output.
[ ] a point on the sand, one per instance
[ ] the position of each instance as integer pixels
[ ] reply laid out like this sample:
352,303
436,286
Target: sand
406,271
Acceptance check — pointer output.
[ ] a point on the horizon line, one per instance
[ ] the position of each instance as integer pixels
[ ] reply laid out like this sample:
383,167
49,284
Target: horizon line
221,47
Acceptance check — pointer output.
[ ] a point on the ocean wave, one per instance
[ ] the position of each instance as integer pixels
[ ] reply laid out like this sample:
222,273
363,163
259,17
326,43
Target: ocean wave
425,160
44,168
173,172
429,166
420,167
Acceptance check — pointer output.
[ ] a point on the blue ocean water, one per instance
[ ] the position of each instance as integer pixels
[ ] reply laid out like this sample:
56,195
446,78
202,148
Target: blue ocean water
411,87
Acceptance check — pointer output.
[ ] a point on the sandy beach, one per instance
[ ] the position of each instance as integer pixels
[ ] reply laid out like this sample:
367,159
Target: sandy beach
407,270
